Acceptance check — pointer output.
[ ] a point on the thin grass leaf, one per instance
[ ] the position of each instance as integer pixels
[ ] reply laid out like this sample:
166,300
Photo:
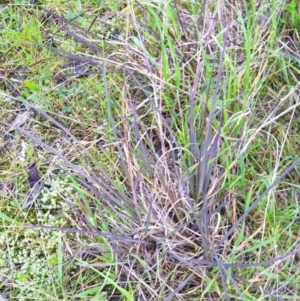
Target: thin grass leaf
10,220
124,292
19,121
91,292
255,203
34,193
179,288
113,237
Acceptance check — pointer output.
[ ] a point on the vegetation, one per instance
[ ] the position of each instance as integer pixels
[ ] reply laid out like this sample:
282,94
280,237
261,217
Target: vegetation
149,150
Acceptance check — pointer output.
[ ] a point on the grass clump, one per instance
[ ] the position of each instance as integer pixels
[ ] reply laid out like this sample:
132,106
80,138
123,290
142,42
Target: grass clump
175,126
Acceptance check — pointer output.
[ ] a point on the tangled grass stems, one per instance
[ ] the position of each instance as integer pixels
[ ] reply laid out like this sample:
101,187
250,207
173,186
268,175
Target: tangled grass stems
190,186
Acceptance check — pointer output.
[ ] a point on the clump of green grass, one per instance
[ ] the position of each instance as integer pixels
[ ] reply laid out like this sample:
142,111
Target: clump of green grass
181,146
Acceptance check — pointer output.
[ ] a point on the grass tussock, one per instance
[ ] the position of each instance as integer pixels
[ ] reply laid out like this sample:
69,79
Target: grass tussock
165,142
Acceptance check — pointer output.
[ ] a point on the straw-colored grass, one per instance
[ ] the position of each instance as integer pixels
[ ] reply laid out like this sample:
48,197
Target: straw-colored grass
166,137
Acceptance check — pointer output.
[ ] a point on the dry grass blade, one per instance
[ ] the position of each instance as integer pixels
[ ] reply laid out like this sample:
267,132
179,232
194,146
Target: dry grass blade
202,262
259,199
107,192
34,193
169,136
115,238
19,121
179,288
